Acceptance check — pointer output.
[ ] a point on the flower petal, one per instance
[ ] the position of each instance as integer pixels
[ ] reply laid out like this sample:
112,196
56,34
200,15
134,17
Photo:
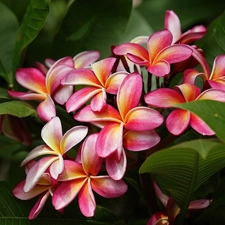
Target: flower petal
177,121
98,102
85,58
46,109
32,79
91,161
86,200
160,68
131,86
190,76
62,94
66,192
26,96
199,204
72,137
163,98
143,118
103,68
107,187
57,167
51,134
116,168
218,69
140,140
212,94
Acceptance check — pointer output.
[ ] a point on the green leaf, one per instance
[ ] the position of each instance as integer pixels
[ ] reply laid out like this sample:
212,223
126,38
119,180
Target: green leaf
183,168
212,112
92,25
8,31
14,211
17,108
33,21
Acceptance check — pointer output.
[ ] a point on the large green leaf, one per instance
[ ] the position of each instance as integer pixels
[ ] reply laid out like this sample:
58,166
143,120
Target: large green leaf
33,21
92,25
183,168
17,108
212,112
8,31
14,211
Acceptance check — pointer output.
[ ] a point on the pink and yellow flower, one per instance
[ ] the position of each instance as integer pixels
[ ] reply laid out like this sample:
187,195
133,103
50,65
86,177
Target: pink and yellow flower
56,145
131,126
99,82
158,56
81,179
179,119
44,187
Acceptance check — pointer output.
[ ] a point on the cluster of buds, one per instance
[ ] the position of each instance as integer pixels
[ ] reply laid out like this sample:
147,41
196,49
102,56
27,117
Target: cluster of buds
114,110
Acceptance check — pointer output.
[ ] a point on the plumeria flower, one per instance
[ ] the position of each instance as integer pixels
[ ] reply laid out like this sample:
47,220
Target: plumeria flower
168,216
52,152
172,23
158,56
81,179
131,126
45,89
215,78
15,128
44,188
99,82
179,119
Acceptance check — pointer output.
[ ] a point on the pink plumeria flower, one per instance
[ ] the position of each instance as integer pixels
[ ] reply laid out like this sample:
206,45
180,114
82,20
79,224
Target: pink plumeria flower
179,119
99,81
52,152
158,56
45,89
44,188
172,23
215,78
131,126
79,179
172,209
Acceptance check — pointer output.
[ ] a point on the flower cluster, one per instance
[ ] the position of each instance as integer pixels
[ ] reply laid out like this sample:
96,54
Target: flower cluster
118,105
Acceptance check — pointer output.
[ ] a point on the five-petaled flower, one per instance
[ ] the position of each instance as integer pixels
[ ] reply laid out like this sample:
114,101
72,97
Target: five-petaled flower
80,177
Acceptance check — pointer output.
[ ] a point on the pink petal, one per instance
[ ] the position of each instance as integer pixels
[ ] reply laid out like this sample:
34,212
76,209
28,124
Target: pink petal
212,94
32,79
109,139
85,58
172,23
116,169
114,81
103,68
189,91
163,98
26,95
157,218
91,161
162,197
200,126
137,60
57,167
177,121
72,170
140,140
132,48
175,53
143,118
199,204
160,68
157,42
62,94
107,187
108,114
39,205
131,86
218,69
86,200
36,171
80,97
36,152
98,103
81,77
51,134
66,192
20,194
190,76
140,39
46,109
217,84
72,137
